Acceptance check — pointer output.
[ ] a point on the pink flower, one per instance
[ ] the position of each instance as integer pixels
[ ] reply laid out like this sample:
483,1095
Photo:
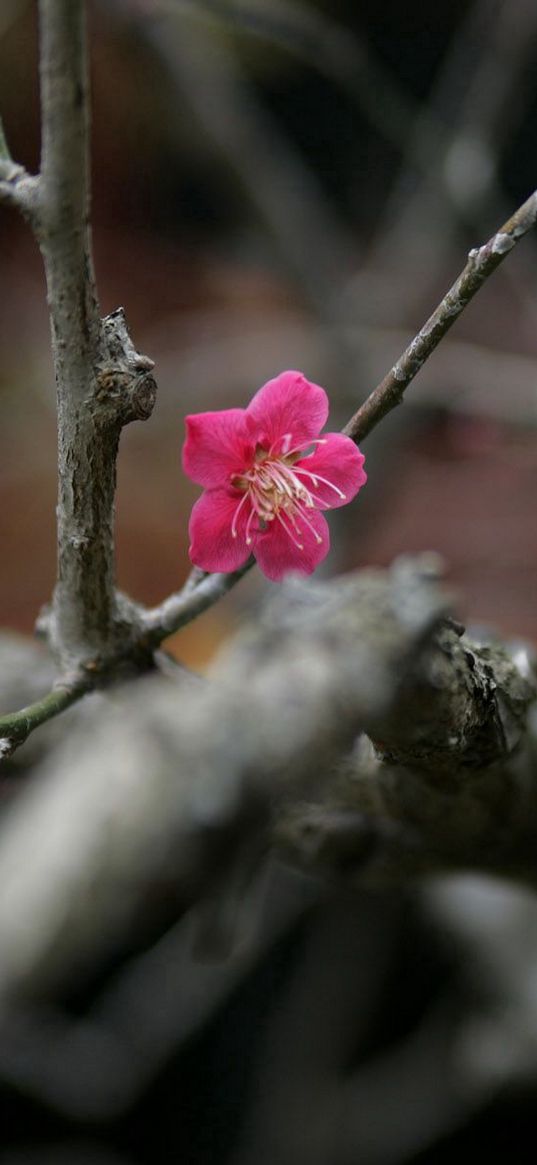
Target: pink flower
267,476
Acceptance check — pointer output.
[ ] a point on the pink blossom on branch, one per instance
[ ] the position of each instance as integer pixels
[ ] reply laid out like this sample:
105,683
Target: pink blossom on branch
267,475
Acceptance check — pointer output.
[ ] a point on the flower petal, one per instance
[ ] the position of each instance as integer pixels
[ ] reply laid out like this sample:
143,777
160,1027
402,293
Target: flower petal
287,407
339,462
217,447
213,546
277,554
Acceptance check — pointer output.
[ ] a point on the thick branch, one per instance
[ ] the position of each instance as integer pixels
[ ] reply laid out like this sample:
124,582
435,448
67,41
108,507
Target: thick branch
66,242
101,381
481,263
450,785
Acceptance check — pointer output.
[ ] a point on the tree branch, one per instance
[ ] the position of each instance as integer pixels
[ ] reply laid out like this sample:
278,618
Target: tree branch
200,592
450,783
17,188
481,263
16,727
101,381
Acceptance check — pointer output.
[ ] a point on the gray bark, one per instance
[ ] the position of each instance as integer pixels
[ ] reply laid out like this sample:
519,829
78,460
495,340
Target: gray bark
101,382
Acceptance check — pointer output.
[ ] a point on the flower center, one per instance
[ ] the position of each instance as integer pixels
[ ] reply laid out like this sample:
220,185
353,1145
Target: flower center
278,490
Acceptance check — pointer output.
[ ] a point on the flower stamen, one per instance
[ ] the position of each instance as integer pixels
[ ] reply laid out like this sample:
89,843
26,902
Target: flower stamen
302,449
306,520
316,477
236,515
290,533
274,492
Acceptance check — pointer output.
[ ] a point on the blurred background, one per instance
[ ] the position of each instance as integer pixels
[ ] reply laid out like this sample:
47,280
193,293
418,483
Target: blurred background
295,184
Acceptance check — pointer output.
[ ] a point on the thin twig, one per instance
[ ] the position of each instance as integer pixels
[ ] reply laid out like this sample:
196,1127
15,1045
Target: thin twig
481,263
197,595
16,727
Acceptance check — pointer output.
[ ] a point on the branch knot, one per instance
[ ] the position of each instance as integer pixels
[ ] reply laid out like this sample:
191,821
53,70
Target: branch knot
125,389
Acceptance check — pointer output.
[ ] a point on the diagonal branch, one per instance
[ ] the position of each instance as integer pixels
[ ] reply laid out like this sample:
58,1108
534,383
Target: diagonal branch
181,608
16,727
481,263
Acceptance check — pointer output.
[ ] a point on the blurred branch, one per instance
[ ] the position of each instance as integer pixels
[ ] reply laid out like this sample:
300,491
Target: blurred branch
400,1099
464,377
98,1066
177,778
280,184
331,49
481,263
475,98
17,188
458,164
5,155
450,783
